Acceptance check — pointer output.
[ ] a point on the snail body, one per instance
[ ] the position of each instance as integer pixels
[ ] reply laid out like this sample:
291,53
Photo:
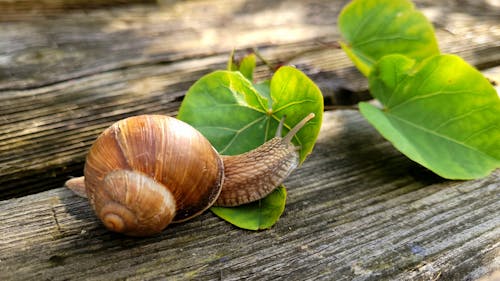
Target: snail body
145,172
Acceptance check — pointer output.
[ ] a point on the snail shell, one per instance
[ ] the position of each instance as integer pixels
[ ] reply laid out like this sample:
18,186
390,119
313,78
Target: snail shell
154,161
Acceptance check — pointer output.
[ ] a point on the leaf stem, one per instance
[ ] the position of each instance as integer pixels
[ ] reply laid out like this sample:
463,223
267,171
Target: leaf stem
265,61
321,46
341,107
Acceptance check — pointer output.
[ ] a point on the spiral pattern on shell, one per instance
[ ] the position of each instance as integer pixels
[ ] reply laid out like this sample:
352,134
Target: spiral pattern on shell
145,171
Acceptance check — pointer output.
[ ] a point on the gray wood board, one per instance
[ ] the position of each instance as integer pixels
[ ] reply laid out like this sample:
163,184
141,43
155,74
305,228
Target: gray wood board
357,210
70,68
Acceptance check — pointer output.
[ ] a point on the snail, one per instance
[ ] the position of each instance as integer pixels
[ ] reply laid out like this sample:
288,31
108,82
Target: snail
144,172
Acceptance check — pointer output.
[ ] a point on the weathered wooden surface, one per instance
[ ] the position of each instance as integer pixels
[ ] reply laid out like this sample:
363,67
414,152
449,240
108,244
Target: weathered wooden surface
357,209
65,75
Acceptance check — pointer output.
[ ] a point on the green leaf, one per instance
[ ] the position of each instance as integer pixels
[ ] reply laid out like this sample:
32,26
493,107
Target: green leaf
258,215
293,95
264,88
237,116
246,66
231,65
375,28
441,113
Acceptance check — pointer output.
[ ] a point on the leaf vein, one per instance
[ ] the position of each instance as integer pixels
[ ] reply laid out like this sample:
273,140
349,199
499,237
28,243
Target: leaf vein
441,136
388,38
429,95
291,104
365,21
466,139
463,115
238,132
218,128
254,93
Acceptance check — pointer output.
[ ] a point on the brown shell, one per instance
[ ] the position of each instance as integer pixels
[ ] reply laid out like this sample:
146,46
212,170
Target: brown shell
122,199
164,149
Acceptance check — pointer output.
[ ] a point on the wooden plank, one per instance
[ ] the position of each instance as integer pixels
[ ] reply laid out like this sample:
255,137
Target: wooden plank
46,51
65,77
357,210
29,9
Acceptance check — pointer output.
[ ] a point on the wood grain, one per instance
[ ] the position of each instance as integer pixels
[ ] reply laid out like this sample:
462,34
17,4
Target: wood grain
357,210
65,76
